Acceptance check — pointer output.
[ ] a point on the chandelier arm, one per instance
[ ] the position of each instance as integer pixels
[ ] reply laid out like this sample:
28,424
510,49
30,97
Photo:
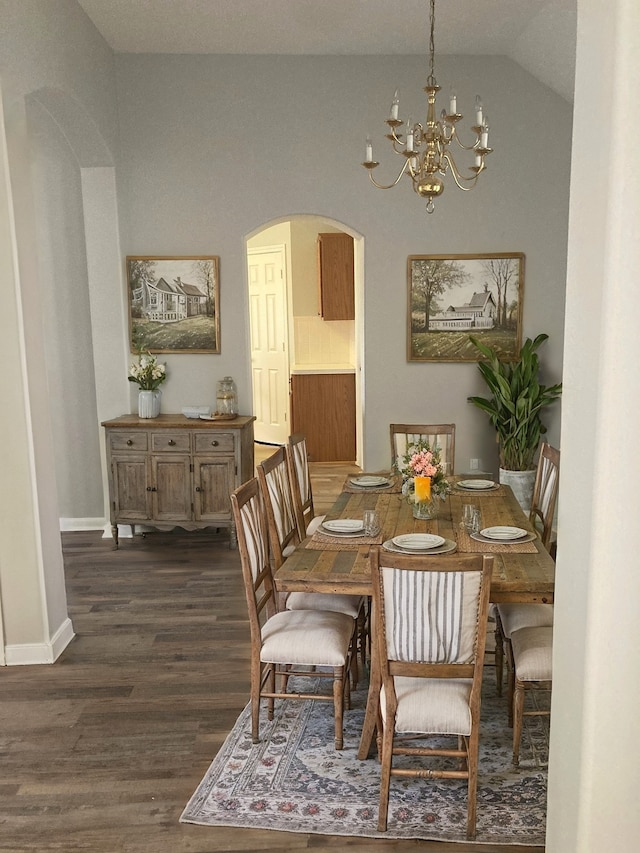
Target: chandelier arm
461,144
458,177
395,183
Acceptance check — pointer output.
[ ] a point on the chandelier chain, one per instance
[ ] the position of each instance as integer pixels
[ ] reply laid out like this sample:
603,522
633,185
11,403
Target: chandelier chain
432,47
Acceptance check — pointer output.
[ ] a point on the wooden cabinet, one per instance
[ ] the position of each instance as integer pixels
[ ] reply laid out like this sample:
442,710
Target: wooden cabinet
323,407
335,272
173,471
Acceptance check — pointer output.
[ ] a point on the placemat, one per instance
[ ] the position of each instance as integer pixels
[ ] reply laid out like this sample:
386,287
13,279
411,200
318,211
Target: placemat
396,485
324,542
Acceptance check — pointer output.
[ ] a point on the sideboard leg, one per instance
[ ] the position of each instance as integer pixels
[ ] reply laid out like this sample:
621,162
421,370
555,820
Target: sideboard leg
114,534
233,538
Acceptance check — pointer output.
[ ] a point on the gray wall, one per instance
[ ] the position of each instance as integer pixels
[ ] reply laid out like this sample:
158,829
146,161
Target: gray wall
211,147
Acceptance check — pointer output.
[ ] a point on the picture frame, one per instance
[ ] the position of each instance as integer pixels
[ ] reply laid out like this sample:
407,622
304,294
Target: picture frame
174,303
453,297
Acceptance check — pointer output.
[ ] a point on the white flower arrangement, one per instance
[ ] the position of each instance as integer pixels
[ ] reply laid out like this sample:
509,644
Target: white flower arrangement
147,373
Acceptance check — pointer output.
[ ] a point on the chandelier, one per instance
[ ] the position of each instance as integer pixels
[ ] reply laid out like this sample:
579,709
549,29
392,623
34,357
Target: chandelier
426,149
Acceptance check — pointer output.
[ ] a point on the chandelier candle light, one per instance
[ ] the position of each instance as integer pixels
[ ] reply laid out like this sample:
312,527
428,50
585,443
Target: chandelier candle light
425,149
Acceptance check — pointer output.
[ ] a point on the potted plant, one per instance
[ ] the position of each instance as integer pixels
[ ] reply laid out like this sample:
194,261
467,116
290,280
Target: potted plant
514,408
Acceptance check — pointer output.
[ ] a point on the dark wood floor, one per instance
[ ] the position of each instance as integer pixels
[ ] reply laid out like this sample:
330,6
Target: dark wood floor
101,751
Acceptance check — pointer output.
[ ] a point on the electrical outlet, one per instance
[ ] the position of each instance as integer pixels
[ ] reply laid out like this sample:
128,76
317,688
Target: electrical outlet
474,464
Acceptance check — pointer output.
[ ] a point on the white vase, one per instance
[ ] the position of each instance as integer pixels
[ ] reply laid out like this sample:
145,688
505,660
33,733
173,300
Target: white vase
521,483
149,403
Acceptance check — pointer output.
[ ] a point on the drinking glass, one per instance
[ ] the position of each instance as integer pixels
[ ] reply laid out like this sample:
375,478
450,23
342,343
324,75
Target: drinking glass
371,522
469,512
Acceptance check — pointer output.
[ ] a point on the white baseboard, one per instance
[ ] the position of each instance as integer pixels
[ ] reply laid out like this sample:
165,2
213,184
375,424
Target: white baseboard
33,653
67,524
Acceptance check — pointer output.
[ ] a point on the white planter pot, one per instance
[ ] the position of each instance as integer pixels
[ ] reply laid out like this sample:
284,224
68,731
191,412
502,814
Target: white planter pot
149,404
521,483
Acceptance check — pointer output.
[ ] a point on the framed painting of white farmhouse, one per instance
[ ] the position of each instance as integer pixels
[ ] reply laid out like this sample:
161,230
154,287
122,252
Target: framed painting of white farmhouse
453,297
174,304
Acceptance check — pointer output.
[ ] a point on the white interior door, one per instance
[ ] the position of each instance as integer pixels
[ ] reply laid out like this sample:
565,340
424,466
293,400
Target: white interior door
269,343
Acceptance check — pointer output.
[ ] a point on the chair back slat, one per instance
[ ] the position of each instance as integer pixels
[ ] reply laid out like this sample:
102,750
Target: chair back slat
253,545
545,491
300,480
438,435
273,476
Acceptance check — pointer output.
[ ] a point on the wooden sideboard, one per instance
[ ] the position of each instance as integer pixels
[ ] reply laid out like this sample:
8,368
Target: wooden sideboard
172,471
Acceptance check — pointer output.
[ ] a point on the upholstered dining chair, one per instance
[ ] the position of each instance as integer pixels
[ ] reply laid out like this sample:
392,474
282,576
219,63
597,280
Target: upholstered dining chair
440,435
430,624
298,462
284,641
513,617
275,485
532,652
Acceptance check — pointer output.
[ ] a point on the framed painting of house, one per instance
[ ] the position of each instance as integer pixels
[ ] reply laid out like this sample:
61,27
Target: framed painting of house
453,297
174,304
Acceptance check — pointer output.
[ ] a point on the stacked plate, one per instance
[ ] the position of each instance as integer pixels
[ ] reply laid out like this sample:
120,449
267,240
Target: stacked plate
343,527
370,481
419,543
476,485
504,535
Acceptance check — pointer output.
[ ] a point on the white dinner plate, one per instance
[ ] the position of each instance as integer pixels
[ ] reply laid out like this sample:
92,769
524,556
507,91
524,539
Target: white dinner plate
447,546
344,527
476,485
370,481
418,541
503,533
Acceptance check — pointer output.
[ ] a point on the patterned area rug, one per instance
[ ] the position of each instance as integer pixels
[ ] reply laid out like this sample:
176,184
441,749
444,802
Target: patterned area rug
295,781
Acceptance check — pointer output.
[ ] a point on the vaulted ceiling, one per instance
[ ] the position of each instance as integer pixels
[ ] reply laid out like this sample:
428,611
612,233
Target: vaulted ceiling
539,35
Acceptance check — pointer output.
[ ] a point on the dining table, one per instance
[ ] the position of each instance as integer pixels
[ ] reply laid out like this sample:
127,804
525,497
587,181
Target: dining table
327,562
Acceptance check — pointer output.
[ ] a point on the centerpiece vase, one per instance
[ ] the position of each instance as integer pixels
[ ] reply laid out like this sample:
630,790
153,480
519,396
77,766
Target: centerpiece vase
424,503
149,403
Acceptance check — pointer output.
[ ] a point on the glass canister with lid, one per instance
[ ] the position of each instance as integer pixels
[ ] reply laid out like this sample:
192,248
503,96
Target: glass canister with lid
226,398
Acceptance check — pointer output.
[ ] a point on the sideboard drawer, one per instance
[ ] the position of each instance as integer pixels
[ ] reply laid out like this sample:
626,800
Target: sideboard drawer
174,442
214,442
120,440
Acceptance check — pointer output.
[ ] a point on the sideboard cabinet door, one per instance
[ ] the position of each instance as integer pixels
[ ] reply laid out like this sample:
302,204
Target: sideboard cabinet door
130,498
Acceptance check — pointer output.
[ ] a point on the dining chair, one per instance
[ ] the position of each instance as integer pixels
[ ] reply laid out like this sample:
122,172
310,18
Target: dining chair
309,643
275,485
429,625
440,435
298,462
513,617
532,651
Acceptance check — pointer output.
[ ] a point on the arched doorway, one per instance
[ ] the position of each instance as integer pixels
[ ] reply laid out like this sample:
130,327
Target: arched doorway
313,346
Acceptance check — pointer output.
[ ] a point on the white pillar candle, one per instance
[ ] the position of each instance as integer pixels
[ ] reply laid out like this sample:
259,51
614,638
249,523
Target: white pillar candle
453,102
478,111
395,106
409,135
484,136
368,157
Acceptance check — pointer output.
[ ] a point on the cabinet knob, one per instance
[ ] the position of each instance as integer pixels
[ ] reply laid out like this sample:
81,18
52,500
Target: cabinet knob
171,442
151,489
129,442
214,443
198,489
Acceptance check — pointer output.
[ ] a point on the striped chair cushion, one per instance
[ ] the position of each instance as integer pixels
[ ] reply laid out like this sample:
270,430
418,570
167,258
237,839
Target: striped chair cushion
532,653
428,615
516,616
